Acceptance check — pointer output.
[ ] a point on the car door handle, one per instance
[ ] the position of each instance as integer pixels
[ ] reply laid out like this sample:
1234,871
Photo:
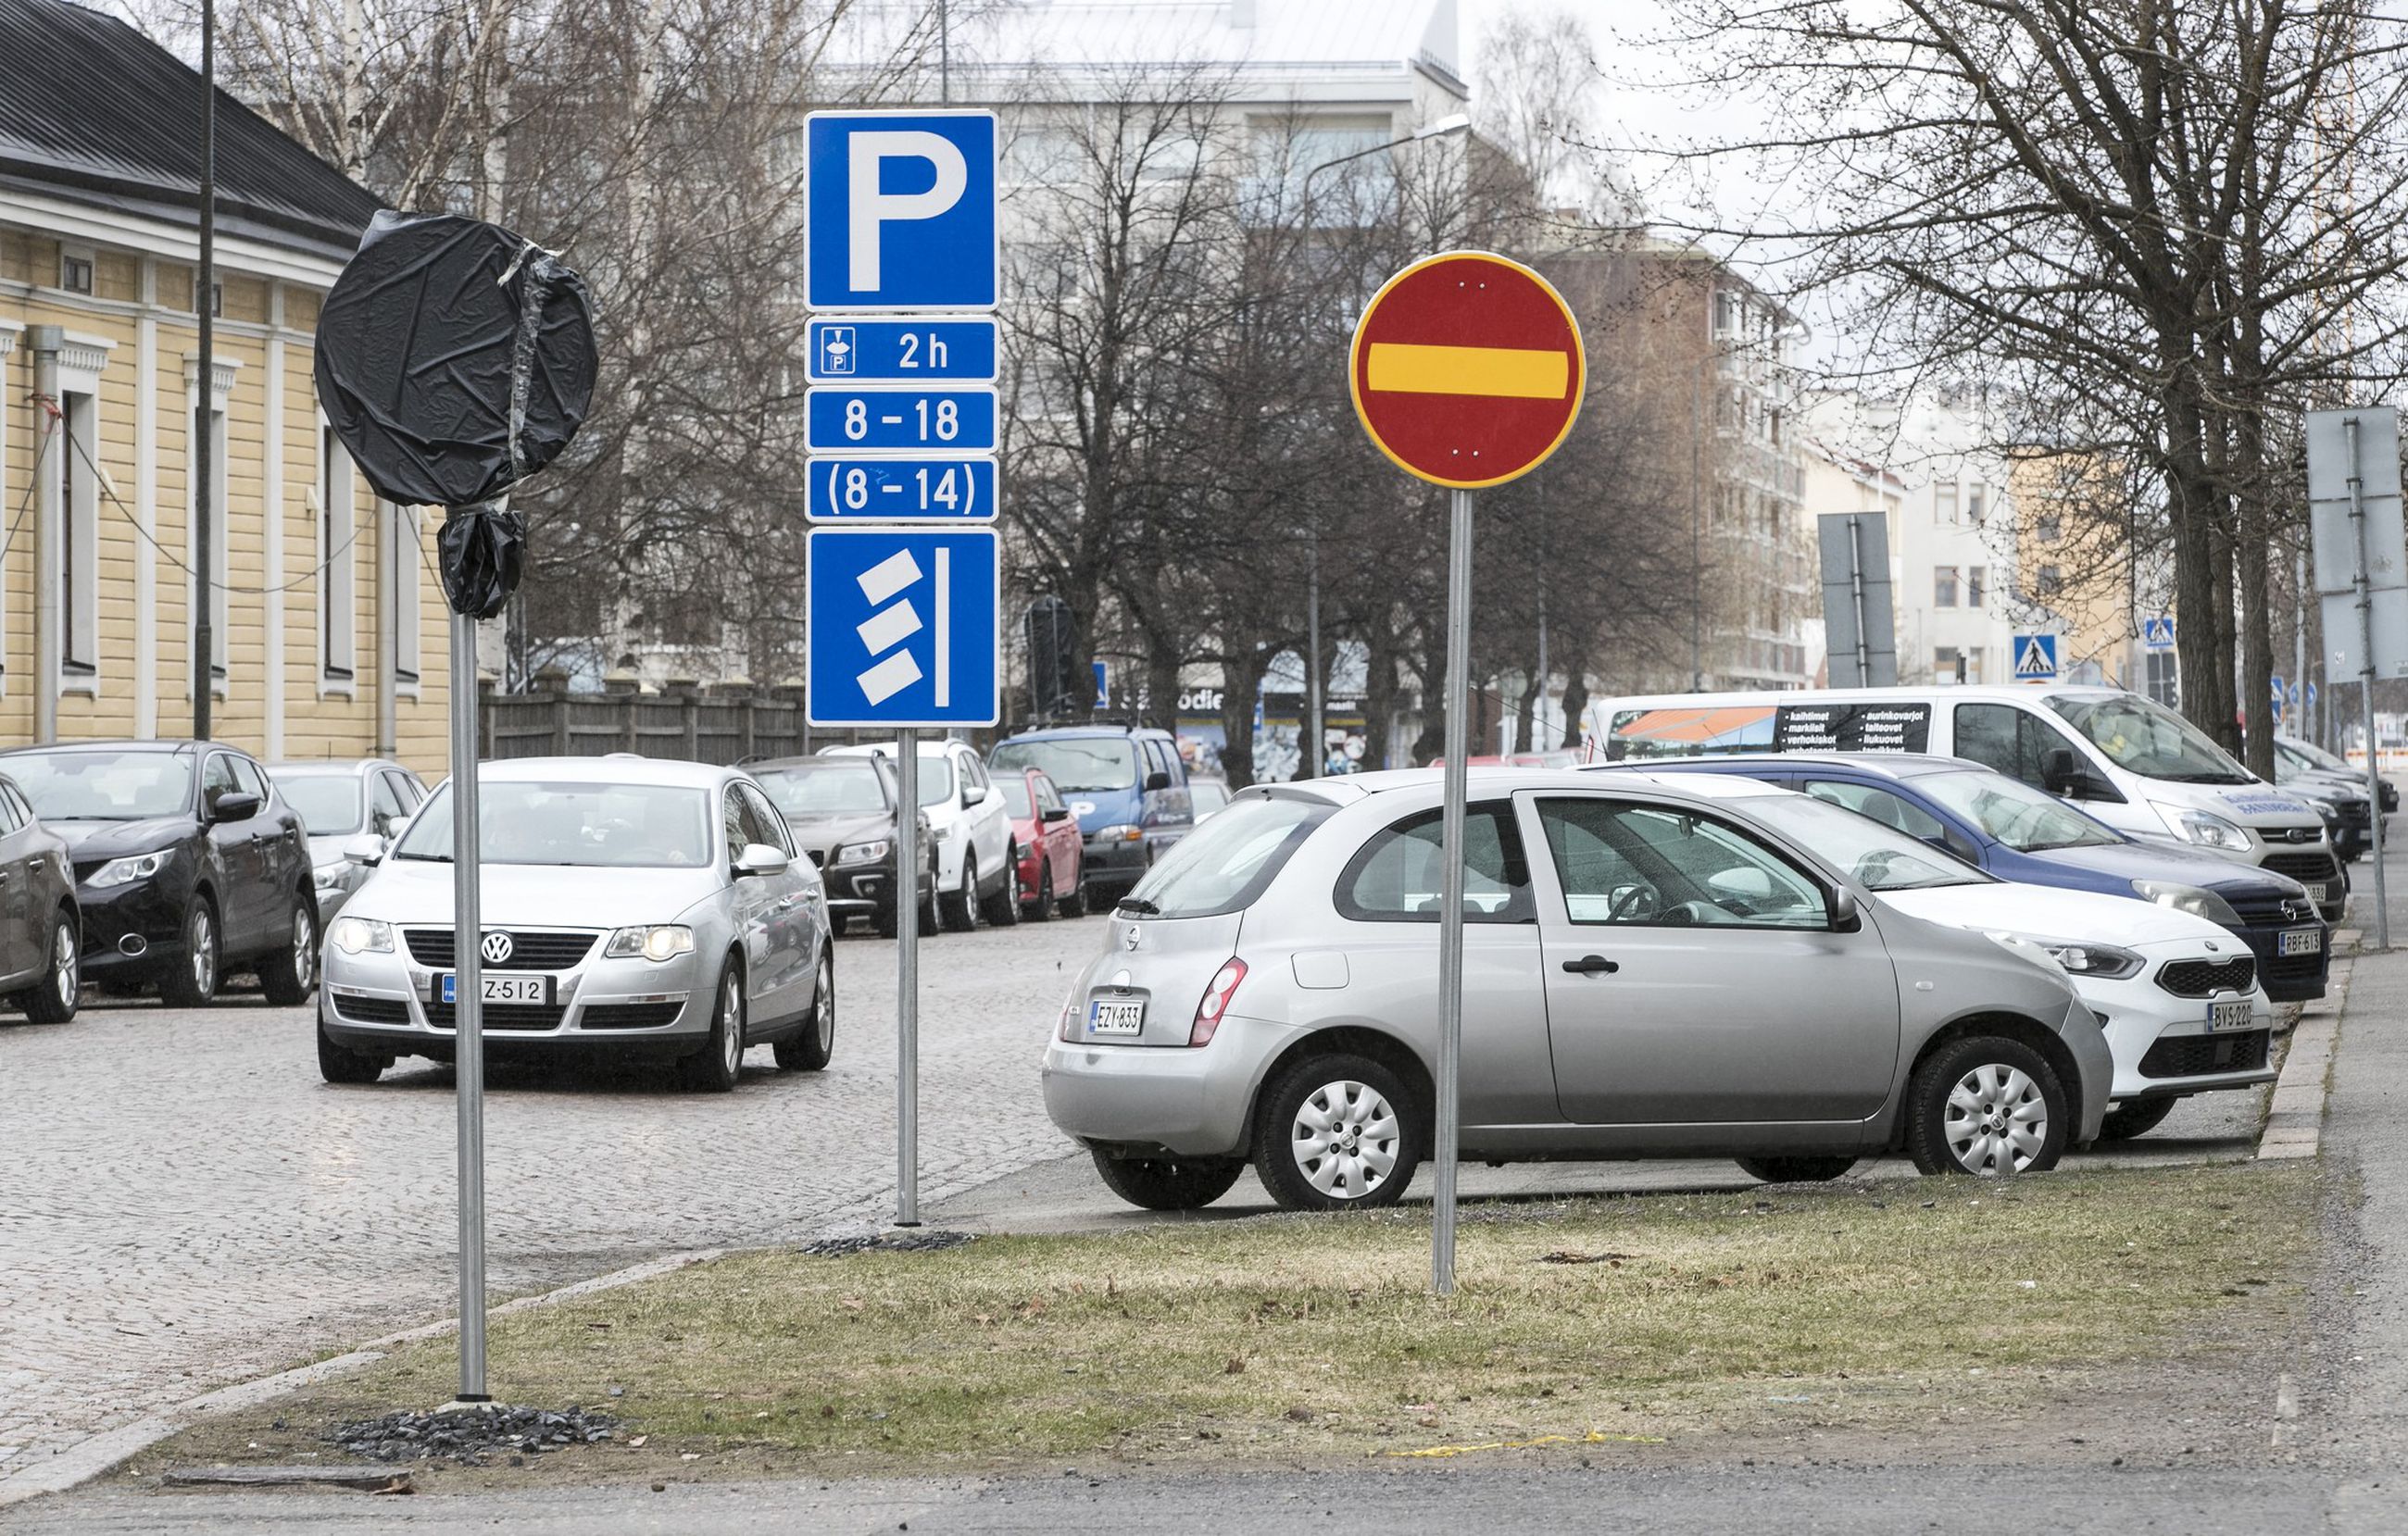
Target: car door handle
1589,965
37,866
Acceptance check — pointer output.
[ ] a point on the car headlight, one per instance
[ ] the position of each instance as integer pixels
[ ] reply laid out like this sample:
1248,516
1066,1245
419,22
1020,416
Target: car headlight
1121,832
862,853
2196,900
125,870
2201,828
362,936
653,941
2103,961
331,877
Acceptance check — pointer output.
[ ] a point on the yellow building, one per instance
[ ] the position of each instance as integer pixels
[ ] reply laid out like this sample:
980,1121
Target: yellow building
329,618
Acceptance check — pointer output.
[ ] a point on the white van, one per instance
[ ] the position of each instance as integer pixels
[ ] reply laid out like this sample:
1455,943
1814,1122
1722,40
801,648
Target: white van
2128,761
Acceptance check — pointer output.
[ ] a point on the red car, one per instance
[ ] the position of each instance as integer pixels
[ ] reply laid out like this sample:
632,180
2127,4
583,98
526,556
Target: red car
1053,870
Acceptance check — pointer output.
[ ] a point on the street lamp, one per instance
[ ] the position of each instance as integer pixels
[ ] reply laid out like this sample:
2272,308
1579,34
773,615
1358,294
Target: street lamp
1310,745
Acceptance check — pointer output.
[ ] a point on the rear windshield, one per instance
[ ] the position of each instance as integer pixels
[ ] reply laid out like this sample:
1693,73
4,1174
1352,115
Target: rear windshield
328,803
836,787
1227,862
1073,763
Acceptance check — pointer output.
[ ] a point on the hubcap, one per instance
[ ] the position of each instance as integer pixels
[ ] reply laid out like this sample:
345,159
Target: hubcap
731,1010
1997,1120
1345,1139
67,966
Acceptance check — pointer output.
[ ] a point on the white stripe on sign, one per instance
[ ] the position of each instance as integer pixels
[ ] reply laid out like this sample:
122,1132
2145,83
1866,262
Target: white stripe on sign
944,627
888,576
882,681
889,627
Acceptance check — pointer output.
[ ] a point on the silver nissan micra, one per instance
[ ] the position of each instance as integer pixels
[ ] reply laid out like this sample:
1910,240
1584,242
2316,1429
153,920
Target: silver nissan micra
1648,973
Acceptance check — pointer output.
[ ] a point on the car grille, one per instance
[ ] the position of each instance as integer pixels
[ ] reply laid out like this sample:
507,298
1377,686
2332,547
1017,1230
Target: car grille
529,951
2315,868
2198,1055
504,1016
2268,911
372,1010
2197,978
628,1015
2357,813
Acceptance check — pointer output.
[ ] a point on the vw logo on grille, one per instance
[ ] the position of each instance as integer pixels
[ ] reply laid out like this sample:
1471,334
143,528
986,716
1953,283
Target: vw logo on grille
497,947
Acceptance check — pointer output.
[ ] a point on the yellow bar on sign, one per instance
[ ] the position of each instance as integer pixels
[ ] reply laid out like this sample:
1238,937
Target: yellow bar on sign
1401,369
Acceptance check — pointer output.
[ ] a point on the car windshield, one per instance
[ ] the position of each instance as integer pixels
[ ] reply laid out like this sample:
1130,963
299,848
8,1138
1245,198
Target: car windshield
2143,737
88,786
1875,855
612,825
1074,763
2015,813
328,803
1224,864
2309,755
839,787
1015,796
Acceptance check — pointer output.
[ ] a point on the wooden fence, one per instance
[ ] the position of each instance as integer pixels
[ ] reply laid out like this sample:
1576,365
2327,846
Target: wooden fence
723,723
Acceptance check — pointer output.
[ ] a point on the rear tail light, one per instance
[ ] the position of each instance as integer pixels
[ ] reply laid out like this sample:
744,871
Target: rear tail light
1215,1004
1070,1015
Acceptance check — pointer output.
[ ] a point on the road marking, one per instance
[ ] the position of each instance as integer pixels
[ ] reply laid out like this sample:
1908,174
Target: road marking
1403,368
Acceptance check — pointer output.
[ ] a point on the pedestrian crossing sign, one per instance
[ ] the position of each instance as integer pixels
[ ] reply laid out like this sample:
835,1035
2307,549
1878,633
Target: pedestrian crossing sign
2158,633
2035,658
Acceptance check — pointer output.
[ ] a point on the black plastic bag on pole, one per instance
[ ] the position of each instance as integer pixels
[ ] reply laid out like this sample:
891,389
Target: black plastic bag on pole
455,359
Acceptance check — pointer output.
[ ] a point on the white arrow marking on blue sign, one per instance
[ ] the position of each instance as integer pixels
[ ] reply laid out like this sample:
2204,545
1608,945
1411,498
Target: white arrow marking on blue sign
888,628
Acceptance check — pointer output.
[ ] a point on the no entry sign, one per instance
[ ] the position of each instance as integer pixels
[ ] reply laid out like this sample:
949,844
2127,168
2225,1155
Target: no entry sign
1467,369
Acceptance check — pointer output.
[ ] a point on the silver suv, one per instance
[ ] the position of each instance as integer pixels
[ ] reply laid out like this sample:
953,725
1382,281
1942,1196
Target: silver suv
1649,971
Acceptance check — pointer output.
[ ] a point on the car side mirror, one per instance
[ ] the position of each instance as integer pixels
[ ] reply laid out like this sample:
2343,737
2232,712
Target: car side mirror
1055,813
1156,780
363,849
234,805
1847,916
761,860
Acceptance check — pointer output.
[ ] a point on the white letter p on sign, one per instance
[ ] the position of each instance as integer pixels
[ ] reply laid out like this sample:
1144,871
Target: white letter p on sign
871,210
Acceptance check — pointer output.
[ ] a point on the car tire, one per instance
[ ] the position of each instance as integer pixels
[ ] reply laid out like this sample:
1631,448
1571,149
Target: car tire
193,982
1003,907
961,909
338,1064
1169,1183
1962,1098
288,974
53,999
1075,904
1335,1123
2135,1117
1042,907
720,1064
1796,1169
807,1050
931,919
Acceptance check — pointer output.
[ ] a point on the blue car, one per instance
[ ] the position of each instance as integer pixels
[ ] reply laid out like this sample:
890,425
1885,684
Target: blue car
2020,833
1126,785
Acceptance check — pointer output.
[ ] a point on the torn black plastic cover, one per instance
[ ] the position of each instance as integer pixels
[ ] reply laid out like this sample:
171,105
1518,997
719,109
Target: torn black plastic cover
479,549
416,352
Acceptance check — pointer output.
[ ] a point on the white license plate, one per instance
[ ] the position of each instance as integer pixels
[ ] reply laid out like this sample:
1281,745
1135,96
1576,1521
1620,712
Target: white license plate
501,988
2303,940
1116,1017
2316,892
2228,1016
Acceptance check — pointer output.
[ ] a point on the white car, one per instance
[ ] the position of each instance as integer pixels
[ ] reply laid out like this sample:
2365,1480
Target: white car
975,857
2177,995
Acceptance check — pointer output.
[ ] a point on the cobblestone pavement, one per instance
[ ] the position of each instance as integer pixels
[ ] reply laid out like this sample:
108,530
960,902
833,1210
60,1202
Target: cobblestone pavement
184,1204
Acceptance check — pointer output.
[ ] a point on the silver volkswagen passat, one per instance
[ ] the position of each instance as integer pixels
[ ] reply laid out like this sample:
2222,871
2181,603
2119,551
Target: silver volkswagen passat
1648,972
630,907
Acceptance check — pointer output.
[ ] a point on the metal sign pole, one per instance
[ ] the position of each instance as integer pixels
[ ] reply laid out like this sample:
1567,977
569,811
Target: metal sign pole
1450,912
1857,595
2366,679
907,979
467,1008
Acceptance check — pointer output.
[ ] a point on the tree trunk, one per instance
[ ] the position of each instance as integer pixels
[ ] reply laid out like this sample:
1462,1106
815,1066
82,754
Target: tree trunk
1576,668
1241,683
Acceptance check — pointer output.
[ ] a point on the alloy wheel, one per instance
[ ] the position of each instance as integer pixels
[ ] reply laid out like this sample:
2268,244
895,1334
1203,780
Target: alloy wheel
304,953
1997,1120
204,957
1345,1139
67,966
824,1009
731,1013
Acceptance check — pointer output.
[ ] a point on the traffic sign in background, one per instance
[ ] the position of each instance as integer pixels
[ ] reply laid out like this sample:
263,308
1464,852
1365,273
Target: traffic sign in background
929,489
1467,369
2158,633
898,418
905,627
2035,658
902,211
872,350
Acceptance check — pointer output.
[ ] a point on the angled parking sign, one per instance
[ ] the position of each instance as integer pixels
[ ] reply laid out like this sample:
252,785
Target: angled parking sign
902,211
905,627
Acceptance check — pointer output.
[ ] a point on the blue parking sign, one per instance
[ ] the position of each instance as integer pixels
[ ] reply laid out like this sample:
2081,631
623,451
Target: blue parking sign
898,418
906,627
846,489
901,349
902,211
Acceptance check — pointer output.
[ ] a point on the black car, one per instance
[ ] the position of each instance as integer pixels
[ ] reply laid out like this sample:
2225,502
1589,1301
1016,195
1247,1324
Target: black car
841,811
41,936
188,864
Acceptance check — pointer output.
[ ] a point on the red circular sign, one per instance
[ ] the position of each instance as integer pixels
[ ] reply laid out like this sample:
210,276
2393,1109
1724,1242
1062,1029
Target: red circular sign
1467,369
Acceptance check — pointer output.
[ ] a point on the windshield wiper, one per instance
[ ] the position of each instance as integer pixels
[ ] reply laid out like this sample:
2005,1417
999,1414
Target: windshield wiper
1140,905
426,858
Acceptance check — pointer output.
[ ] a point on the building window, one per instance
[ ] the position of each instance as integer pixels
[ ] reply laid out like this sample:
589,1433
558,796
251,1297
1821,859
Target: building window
2163,677
338,578
78,536
1727,311
2048,583
1975,496
75,271
1944,502
1977,584
1948,665
1973,664
1944,586
2048,527
403,559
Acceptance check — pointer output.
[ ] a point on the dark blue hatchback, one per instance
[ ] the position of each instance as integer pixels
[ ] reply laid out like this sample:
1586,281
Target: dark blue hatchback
2020,833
